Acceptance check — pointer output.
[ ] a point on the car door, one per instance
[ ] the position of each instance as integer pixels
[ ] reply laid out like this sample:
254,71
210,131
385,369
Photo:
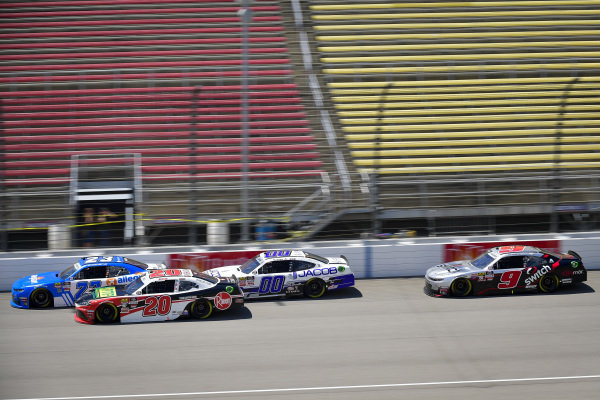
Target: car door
157,300
508,273
87,278
271,277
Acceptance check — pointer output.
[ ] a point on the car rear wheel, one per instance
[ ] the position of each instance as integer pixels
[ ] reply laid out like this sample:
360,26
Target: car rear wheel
461,287
40,298
548,283
107,313
314,288
201,309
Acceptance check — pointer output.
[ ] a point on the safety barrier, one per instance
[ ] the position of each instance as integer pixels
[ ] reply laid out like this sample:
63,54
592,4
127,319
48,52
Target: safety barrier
368,259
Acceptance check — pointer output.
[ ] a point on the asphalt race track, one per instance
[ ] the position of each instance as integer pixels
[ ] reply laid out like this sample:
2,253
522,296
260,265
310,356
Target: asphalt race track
384,339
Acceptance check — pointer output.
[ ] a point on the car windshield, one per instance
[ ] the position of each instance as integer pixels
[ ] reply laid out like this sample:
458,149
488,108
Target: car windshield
249,265
482,261
134,286
69,271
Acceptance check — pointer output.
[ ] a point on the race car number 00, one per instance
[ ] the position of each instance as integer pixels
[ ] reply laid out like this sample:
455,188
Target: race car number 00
154,305
509,279
271,284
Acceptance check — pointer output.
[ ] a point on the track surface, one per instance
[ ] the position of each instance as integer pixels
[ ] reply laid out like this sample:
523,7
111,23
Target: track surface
383,332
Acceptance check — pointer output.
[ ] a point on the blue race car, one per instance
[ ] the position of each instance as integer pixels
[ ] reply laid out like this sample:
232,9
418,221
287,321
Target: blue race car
61,289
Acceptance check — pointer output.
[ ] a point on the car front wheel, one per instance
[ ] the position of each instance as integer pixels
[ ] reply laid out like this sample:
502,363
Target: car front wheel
461,287
107,313
40,298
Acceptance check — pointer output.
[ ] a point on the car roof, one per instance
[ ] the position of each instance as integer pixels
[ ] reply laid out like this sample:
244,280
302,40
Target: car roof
115,260
514,250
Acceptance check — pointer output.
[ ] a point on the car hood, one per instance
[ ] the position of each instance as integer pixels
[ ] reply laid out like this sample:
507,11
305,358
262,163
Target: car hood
37,280
454,268
227,271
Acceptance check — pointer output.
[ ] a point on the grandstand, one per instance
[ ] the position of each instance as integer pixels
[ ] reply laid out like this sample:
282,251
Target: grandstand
439,117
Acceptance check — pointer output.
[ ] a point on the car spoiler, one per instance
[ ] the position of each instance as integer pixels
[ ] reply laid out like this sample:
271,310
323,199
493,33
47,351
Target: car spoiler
343,257
572,253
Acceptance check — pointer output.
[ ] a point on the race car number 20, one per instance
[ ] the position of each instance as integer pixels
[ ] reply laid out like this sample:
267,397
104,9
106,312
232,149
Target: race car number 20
271,284
157,305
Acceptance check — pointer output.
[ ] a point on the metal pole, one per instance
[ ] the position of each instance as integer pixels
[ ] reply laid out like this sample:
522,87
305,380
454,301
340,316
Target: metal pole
193,228
246,17
376,221
3,189
554,224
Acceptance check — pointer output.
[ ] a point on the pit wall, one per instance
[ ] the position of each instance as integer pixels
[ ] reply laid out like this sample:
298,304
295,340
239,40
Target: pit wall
367,258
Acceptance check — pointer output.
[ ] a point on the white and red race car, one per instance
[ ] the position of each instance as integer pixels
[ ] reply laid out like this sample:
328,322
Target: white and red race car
160,295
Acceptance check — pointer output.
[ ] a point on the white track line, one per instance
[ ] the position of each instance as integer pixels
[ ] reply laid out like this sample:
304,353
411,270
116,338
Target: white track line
306,389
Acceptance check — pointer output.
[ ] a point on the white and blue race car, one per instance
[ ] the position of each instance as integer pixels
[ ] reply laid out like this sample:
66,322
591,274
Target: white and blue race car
62,288
288,273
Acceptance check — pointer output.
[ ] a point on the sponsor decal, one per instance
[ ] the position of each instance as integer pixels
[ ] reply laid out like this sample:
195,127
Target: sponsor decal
34,279
123,301
568,280
315,272
229,289
489,275
111,281
107,291
574,264
444,291
341,269
578,272
126,279
223,301
567,274
536,274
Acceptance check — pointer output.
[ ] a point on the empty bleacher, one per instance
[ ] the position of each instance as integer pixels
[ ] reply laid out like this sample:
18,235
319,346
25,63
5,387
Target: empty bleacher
435,88
89,83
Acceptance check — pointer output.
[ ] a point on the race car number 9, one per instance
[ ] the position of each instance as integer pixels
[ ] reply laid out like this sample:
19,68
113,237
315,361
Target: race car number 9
157,305
509,279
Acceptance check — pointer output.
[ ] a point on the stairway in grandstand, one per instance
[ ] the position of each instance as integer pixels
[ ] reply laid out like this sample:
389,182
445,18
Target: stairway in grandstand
157,78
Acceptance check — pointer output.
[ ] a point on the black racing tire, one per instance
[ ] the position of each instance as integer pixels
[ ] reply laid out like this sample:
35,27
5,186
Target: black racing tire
548,283
201,309
107,313
41,298
461,287
315,288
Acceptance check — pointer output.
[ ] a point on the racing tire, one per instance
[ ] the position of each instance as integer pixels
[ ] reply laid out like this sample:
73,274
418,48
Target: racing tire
107,313
314,288
548,283
40,298
201,309
461,287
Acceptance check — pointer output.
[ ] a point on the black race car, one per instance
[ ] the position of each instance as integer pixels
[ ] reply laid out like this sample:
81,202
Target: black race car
506,269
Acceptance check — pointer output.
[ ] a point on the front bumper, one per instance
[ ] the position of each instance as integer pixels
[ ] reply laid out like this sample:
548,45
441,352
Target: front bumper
19,299
84,315
437,287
